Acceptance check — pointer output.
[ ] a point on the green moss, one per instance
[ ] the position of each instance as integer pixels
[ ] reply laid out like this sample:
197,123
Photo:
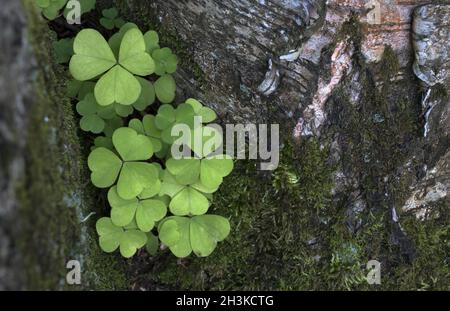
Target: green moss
380,135
439,92
353,30
389,64
53,194
430,270
273,216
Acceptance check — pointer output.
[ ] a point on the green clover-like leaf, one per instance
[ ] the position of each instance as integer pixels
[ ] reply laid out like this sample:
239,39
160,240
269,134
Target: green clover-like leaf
165,117
103,141
205,141
168,117
170,186
51,8
131,241
149,125
148,128
210,170
189,202
186,171
147,96
63,50
165,61
73,88
153,191
165,88
208,115
134,176
107,23
110,13
111,19
122,110
92,123
132,54
207,190
198,234
132,146
43,3
147,212
113,237
152,244
93,56
109,234
164,152
79,89
122,211
214,169
117,85
105,167
151,41
111,125
116,39
93,115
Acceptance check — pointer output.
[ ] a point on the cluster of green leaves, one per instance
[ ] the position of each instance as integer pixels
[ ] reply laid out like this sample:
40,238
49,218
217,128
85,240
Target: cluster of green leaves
118,64
111,19
153,196
51,9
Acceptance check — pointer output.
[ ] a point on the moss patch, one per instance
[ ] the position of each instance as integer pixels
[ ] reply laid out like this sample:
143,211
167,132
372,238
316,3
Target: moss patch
273,216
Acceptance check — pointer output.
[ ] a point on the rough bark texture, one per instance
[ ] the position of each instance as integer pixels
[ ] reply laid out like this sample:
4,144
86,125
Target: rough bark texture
361,93
357,173
45,194
14,100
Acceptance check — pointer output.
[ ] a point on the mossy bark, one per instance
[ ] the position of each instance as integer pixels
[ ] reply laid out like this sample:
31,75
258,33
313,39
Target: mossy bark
316,221
50,195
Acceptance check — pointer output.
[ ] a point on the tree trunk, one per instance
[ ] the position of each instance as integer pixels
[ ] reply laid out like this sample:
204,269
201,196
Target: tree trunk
362,102
45,191
341,79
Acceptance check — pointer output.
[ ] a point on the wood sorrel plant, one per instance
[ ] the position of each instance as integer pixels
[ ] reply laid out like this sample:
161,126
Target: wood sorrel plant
153,197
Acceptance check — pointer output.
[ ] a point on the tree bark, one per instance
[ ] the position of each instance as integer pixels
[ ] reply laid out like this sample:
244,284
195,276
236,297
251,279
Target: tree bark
362,100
